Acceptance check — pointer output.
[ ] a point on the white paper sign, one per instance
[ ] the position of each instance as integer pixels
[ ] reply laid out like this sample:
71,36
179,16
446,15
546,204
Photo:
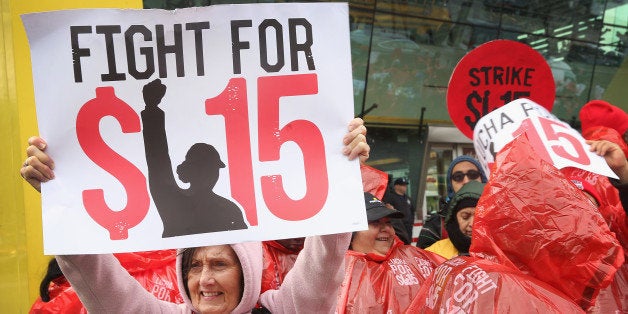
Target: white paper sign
194,127
554,140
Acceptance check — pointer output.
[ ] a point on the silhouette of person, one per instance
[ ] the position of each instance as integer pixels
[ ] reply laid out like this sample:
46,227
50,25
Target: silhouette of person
196,209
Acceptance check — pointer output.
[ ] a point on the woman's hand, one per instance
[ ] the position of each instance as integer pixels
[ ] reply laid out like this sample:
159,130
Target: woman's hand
38,166
614,157
355,141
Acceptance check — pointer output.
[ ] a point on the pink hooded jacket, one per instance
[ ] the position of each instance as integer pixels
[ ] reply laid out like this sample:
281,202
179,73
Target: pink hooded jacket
104,286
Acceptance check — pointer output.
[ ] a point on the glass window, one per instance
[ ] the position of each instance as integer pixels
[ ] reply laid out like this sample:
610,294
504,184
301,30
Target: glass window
416,45
397,151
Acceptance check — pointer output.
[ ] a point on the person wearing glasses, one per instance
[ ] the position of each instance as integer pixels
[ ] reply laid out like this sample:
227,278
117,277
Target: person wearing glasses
461,170
459,221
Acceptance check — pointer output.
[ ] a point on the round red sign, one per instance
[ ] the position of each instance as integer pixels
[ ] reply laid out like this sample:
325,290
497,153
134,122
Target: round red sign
494,74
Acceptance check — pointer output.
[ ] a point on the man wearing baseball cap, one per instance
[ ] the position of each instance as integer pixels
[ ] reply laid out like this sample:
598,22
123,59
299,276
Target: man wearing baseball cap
398,198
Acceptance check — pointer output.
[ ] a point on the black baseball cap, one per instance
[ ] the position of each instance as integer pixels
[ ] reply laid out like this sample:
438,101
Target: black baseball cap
401,181
375,209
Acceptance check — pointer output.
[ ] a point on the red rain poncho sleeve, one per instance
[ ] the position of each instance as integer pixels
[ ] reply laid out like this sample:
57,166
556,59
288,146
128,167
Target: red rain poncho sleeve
154,270
376,284
531,218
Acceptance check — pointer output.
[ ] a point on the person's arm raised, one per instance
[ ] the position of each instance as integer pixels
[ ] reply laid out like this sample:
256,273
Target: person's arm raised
311,286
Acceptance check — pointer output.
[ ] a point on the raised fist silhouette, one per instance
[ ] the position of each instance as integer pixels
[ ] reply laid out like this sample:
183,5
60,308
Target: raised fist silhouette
153,93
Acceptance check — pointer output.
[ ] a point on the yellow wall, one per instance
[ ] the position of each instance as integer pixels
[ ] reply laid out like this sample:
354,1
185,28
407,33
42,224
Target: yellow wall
616,91
22,263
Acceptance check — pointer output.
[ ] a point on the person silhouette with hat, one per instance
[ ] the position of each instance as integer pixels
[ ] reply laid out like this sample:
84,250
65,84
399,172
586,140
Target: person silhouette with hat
196,209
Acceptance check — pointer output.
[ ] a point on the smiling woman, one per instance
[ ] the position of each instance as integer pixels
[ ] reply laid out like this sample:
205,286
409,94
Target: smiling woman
216,279
379,237
212,277
382,275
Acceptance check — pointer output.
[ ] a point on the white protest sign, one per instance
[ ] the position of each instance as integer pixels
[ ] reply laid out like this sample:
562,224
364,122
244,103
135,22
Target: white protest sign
552,139
194,127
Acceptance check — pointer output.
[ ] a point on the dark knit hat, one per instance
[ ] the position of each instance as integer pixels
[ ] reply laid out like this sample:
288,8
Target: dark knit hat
600,113
466,202
467,196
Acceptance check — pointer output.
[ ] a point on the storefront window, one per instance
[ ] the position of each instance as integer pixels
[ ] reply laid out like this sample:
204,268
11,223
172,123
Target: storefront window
397,153
416,45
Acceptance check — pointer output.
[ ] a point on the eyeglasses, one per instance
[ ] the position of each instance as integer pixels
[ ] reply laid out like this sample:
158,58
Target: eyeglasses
458,176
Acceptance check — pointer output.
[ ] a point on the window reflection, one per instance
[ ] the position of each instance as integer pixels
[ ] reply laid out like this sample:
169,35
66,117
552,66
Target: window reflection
416,45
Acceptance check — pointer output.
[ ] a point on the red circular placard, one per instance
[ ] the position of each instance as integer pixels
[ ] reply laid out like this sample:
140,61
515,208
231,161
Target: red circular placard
492,75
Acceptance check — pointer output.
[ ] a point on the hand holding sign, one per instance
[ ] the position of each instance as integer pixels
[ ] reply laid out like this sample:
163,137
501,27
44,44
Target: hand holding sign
614,156
552,139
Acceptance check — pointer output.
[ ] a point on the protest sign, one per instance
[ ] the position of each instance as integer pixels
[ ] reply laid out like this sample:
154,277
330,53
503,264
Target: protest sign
553,140
194,127
492,75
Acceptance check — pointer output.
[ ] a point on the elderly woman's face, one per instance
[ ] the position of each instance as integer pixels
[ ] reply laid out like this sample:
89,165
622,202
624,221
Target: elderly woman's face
215,279
377,239
465,220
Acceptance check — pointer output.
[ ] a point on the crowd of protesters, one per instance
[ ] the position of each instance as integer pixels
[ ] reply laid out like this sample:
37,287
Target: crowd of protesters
532,238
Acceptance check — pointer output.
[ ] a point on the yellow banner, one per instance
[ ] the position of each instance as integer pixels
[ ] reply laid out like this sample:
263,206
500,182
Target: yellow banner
22,263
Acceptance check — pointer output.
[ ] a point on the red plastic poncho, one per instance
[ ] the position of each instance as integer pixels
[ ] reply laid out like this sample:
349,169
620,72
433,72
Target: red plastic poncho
384,284
532,218
278,260
63,299
612,209
374,181
469,284
613,298
154,270
610,204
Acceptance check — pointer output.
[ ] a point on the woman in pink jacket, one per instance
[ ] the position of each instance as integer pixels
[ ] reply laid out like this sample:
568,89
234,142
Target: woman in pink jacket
216,279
